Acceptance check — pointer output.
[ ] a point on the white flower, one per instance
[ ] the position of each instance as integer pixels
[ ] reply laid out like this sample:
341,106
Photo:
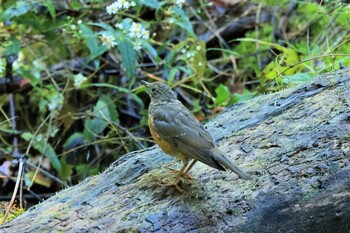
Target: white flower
198,47
56,102
113,8
120,4
138,31
78,80
119,25
137,46
38,138
73,27
180,2
54,130
190,54
108,40
200,63
124,4
135,30
145,34
79,21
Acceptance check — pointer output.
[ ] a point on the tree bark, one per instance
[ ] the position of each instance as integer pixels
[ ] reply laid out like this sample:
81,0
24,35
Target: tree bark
295,143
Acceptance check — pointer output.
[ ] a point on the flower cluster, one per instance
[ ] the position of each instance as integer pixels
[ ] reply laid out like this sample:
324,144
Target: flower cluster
126,30
118,5
73,28
138,31
56,102
191,54
180,2
188,53
78,80
108,40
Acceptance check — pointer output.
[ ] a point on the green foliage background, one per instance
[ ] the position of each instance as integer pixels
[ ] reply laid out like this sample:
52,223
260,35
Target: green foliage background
74,132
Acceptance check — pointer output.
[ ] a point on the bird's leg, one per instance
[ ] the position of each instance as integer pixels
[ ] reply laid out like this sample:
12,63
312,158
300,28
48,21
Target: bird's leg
188,170
185,174
176,181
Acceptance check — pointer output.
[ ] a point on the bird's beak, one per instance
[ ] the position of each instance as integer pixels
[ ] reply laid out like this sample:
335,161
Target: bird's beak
145,83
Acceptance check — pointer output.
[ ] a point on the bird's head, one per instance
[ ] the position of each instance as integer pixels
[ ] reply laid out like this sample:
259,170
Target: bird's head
159,91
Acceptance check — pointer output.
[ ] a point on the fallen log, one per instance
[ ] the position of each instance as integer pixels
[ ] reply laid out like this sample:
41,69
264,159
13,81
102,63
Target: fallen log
295,143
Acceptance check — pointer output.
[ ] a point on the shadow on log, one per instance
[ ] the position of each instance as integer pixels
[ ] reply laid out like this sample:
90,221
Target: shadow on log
295,143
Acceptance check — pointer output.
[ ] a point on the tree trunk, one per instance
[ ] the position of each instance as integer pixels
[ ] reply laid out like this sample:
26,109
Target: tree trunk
295,143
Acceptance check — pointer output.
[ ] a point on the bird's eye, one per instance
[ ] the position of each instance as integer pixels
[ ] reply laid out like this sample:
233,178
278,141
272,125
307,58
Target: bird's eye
153,89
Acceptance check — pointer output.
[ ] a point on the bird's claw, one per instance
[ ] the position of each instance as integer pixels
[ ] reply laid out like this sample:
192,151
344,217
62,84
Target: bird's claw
187,176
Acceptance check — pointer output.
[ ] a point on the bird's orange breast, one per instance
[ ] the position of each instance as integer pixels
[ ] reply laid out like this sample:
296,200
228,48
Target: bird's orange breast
164,145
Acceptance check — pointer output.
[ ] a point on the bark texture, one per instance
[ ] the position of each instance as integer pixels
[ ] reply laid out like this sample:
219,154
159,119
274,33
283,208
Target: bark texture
295,143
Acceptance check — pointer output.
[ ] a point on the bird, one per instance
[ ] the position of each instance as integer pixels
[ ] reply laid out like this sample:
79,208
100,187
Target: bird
180,134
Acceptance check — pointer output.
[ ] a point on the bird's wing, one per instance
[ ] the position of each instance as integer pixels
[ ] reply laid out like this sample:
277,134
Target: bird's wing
180,128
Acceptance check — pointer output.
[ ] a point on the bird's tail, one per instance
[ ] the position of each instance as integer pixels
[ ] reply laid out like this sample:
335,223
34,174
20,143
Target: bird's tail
221,158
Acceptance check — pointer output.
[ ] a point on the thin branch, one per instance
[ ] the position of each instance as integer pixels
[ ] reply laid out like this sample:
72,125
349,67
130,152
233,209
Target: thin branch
47,174
19,177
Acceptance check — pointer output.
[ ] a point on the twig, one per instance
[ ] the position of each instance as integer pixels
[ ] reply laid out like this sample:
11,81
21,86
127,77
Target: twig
44,151
19,178
257,45
47,174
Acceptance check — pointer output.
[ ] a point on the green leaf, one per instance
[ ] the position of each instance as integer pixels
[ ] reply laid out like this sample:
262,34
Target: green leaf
34,81
67,170
13,47
200,59
9,131
112,108
246,95
128,55
103,109
183,21
72,138
85,170
149,48
121,89
75,5
97,124
44,148
39,179
172,55
27,136
51,7
297,78
99,52
13,11
90,40
104,26
228,51
151,3
171,75
222,94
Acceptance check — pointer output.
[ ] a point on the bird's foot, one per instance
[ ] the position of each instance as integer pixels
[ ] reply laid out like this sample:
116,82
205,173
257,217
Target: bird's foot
172,183
186,175
177,187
